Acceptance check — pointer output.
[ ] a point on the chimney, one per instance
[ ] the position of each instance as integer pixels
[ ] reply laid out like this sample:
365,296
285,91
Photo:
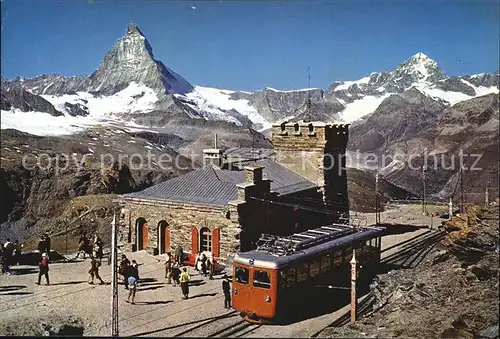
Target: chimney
213,156
253,174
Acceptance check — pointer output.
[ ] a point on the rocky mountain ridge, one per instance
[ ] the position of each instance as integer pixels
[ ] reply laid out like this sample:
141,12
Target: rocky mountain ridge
131,61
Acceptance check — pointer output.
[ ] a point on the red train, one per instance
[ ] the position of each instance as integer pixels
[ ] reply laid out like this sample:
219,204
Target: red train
268,281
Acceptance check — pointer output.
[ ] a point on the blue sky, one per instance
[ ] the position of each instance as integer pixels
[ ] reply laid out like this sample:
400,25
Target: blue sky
248,45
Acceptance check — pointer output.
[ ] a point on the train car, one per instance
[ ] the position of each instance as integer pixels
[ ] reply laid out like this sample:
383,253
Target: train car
269,281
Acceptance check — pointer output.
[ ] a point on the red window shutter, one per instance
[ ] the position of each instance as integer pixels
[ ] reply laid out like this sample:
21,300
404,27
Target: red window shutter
194,240
215,243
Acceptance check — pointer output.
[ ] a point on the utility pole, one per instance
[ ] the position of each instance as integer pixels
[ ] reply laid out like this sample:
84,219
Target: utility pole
377,201
450,209
354,300
424,209
114,281
462,199
66,227
486,195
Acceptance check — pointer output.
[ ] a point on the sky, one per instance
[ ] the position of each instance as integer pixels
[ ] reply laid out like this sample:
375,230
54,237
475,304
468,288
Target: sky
249,45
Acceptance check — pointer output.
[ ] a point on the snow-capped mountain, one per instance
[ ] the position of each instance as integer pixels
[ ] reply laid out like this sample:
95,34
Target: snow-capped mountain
130,83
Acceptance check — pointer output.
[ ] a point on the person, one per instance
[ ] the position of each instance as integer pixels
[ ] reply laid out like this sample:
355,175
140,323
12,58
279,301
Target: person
44,269
185,283
176,274
17,252
168,268
204,265
179,255
8,251
132,283
83,244
197,263
211,269
47,243
94,271
134,270
3,260
226,288
98,248
124,269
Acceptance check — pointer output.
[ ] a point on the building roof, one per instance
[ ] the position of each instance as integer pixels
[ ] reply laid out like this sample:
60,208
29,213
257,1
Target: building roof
212,185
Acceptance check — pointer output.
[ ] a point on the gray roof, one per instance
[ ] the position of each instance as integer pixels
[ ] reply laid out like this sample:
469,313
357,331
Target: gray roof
266,260
215,186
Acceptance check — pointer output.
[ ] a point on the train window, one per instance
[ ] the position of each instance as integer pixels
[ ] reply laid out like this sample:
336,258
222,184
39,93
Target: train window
347,254
325,262
303,271
314,267
290,276
241,275
337,257
282,279
261,279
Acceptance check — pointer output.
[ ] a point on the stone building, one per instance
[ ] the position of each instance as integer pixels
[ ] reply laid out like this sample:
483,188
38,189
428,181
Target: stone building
239,194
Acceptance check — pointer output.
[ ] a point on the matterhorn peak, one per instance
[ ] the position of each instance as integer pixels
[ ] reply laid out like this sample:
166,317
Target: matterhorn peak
131,60
133,29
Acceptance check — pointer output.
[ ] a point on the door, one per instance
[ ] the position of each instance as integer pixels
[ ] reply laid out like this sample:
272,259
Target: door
144,236
215,243
241,288
163,237
166,239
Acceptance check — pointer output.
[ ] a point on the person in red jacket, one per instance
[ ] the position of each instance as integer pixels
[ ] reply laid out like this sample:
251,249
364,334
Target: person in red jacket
44,269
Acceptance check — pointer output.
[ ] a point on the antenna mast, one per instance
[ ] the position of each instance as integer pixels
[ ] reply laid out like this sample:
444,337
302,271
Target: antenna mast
309,91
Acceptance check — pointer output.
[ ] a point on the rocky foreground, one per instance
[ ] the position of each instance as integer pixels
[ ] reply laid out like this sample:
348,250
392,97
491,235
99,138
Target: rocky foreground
453,293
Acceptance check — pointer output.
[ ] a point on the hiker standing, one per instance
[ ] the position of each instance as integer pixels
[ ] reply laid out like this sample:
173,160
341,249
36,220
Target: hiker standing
132,283
168,268
94,271
98,248
204,265
226,288
83,244
3,260
197,263
176,274
211,268
8,251
134,270
44,269
179,255
124,269
17,252
185,282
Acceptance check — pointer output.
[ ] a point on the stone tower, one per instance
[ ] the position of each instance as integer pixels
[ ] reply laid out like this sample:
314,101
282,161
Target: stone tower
316,151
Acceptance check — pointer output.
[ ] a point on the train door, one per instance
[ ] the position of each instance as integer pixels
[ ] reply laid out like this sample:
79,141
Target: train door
242,290
264,292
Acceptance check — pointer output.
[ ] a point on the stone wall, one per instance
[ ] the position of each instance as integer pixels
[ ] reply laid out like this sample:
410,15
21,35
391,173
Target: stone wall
181,217
317,152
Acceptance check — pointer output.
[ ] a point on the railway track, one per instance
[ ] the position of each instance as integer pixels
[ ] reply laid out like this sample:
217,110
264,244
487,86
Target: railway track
406,254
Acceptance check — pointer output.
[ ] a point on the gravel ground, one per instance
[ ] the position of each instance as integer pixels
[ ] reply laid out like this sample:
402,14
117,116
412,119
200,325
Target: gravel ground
159,310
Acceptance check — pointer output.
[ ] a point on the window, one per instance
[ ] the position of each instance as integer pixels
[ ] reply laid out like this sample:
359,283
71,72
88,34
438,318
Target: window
303,271
314,267
347,254
241,275
296,128
261,279
325,262
337,257
282,279
290,276
205,240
